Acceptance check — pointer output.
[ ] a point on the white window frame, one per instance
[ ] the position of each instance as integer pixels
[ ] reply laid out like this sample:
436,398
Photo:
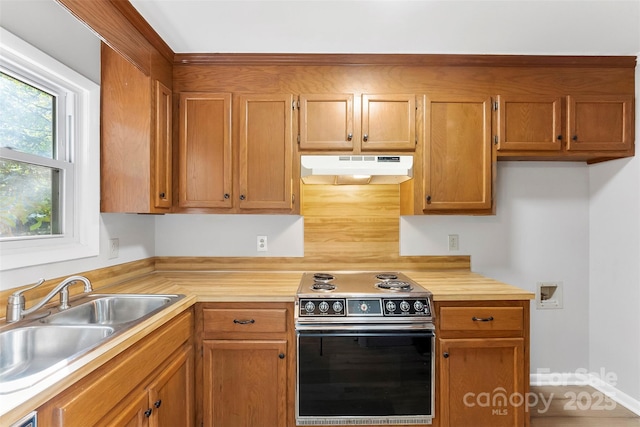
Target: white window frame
81,213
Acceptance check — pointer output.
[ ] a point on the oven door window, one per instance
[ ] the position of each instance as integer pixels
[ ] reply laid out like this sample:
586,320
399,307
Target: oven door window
372,373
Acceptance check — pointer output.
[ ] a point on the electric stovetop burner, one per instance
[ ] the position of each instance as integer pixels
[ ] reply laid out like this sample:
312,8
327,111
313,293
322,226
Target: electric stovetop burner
323,287
394,285
323,277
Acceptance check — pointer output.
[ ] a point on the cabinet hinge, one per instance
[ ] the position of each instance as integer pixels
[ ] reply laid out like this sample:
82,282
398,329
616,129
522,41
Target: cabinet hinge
495,139
293,199
298,138
495,106
295,104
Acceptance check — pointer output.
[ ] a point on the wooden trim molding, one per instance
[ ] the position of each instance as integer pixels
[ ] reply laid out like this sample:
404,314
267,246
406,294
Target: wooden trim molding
434,60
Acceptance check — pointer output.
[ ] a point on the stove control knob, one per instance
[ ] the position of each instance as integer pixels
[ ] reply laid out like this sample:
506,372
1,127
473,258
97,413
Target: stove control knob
337,306
391,306
324,306
405,306
309,307
418,305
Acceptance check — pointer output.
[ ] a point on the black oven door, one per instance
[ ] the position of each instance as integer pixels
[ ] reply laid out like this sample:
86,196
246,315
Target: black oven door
352,375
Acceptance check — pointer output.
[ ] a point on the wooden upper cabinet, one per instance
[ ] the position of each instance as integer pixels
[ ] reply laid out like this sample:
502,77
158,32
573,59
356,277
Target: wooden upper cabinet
599,123
385,122
458,159
531,122
205,150
575,127
326,122
136,132
265,152
388,122
163,147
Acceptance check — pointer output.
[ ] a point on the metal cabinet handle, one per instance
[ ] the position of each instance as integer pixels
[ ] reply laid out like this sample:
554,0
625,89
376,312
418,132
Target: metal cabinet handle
445,355
242,197
559,137
148,412
482,319
158,403
244,322
428,199
226,196
365,137
349,137
281,355
575,137
162,195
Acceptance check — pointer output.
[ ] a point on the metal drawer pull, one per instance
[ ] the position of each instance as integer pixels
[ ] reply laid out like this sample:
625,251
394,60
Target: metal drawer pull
244,322
481,319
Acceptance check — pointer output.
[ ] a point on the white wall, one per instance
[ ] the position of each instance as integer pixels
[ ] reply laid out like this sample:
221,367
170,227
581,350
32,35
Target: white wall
229,235
539,233
614,272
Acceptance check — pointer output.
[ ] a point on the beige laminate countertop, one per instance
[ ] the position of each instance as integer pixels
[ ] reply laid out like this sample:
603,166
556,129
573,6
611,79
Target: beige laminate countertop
227,286
269,286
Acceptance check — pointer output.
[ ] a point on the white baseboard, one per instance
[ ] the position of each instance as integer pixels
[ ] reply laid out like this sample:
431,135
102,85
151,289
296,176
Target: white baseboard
590,379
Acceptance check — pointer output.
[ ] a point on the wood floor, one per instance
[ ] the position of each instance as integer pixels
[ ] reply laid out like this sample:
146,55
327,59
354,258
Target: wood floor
578,406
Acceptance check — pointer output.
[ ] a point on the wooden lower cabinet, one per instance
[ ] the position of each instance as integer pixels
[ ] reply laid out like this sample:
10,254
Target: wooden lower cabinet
149,384
248,365
482,364
162,402
245,383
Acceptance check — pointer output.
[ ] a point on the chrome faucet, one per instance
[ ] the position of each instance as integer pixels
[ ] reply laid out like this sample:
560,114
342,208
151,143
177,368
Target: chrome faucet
16,301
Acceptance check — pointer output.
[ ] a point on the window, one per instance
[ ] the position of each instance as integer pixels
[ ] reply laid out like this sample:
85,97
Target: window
49,167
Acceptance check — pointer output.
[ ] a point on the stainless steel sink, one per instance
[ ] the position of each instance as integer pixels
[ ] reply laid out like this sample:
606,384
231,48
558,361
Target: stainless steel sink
32,349
111,309
29,354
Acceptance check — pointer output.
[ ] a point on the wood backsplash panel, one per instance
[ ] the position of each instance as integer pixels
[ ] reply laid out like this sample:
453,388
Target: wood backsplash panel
351,222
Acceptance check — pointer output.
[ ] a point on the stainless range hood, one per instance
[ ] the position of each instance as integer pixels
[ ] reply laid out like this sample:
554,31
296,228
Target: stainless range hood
362,169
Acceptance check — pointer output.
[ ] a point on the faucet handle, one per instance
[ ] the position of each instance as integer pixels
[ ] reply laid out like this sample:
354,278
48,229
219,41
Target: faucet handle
18,294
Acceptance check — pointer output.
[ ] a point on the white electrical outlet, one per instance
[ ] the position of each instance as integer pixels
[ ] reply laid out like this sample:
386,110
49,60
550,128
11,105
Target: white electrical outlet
114,248
262,244
454,242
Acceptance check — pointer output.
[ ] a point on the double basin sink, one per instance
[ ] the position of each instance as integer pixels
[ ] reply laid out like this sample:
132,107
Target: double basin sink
31,350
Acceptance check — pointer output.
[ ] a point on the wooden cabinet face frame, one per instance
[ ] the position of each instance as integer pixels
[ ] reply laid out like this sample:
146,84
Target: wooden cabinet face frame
205,179
163,147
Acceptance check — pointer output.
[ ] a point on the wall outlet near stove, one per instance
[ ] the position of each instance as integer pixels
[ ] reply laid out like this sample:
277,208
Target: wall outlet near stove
262,244
454,242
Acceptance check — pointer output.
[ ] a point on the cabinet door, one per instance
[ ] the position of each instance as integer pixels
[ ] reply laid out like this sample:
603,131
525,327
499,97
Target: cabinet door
245,383
388,122
458,159
265,166
134,411
326,122
205,150
529,123
163,148
171,393
599,123
125,134
482,382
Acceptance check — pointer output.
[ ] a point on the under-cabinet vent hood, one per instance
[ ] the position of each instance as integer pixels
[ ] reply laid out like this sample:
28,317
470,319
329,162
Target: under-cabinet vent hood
364,169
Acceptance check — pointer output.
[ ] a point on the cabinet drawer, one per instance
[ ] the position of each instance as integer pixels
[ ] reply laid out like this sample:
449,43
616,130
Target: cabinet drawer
481,318
245,320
